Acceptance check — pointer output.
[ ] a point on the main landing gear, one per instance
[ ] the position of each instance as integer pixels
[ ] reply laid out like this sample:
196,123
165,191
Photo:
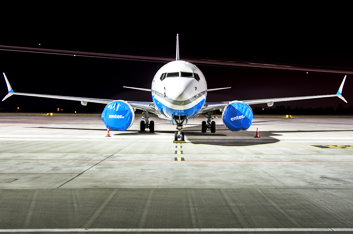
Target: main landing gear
179,135
145,123
210,124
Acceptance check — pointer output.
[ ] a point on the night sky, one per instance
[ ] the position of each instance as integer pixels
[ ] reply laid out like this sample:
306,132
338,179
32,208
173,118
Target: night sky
301,35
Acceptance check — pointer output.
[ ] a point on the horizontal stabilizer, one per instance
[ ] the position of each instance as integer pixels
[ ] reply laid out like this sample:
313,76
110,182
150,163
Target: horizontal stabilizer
141,89
209,90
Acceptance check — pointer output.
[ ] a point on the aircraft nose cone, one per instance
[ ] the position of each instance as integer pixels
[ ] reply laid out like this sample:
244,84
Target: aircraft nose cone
180,91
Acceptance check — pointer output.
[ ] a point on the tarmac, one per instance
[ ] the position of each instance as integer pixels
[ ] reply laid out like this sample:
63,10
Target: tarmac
62,174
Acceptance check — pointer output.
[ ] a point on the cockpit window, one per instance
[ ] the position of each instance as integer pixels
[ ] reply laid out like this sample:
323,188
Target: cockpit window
180,74
187,74
173,74
163,76
197,76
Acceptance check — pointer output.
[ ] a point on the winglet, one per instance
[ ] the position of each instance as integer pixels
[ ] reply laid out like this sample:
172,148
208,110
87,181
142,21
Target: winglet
339,92
177,47
8,84
9,88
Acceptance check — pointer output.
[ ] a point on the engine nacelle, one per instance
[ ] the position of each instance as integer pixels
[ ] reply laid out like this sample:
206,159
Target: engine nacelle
118,115
237,116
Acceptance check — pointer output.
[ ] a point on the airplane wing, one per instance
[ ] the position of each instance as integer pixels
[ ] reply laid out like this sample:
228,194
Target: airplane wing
145,106
270,101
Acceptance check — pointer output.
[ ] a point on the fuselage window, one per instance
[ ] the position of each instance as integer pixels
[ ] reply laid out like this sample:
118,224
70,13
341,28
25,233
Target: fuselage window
187,74
197,77
163,76
173,74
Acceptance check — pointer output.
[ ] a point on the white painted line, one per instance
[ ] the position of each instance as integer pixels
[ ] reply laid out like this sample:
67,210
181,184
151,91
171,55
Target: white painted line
53,230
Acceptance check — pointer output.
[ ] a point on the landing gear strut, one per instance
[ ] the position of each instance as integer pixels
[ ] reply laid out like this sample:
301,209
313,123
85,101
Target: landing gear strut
210,124
179,120
145,123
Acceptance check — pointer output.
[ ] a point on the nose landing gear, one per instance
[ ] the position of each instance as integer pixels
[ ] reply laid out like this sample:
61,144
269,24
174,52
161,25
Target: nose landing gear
179,135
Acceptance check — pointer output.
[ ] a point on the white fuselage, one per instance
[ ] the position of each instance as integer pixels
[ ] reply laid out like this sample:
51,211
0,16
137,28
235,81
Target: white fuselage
179,89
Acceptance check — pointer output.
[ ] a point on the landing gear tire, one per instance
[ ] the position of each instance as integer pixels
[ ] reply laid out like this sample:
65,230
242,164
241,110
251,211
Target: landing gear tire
179,137
151,126
142,126
182,137
203,126
213,126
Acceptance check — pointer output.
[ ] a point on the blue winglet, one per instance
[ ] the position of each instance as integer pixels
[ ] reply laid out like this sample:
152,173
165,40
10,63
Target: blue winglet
339,92
9,88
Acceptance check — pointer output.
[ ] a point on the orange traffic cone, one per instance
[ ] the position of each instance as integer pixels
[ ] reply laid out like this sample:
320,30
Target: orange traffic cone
108,135
257,133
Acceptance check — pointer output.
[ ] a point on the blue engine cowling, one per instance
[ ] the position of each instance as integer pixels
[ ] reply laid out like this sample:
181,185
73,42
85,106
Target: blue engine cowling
237,116
118,115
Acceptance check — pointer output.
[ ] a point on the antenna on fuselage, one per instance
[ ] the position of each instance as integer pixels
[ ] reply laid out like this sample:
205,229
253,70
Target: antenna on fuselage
177,47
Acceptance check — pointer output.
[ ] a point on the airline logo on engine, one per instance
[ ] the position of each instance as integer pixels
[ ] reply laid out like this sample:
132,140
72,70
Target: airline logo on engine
237,117
116,117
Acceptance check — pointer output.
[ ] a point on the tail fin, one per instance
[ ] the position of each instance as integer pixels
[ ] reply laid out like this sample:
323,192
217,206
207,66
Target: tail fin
177,47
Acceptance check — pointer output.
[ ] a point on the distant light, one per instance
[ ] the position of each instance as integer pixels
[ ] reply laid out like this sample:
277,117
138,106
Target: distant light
307,72
74,55
51,114
75,112
58,109
39,44
61,109
18,108
263,108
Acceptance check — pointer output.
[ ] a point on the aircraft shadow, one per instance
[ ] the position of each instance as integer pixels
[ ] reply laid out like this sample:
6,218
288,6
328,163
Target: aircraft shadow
223,137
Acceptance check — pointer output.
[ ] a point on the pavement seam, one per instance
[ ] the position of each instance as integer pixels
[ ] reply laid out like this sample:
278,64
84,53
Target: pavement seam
30,210
83,172
100,209
233,206
324,207
93,165
146,209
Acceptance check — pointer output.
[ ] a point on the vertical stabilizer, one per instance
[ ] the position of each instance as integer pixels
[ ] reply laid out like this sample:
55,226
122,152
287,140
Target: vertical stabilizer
177,47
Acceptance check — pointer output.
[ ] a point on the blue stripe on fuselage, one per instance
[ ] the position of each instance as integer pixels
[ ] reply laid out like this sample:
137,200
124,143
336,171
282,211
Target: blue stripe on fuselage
170,112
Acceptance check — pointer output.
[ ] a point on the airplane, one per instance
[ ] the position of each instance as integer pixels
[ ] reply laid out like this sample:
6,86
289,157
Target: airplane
179,91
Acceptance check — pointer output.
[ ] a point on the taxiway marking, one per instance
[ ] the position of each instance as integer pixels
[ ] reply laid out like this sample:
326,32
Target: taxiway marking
179,159
334,146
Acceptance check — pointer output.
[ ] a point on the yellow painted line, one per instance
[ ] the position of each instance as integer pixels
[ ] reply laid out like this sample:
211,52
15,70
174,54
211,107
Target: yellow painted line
178,152
178,146
334,146
179,142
